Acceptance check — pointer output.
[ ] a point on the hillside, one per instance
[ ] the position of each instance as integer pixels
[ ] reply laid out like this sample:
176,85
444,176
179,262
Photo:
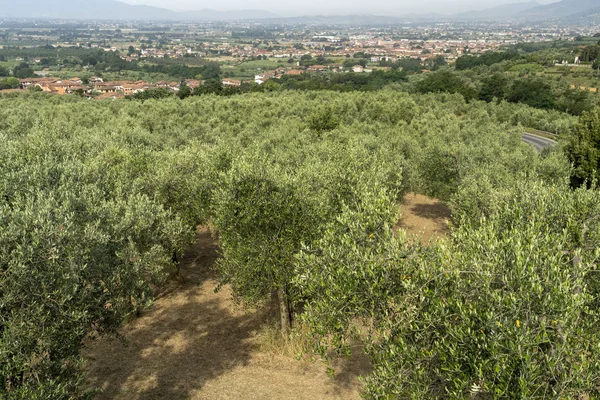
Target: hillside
561,9
113,10
569,10
503,11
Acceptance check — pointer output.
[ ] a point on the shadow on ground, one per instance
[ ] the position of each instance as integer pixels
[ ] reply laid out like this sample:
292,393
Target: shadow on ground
185,340
194,344
436,211
425,217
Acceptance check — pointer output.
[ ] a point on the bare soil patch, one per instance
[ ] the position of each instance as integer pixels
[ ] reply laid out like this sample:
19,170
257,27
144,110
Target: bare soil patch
424,216
195,344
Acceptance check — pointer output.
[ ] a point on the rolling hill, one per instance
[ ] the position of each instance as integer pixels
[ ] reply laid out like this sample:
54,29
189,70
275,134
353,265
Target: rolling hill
113,10
503,11
561,9
565,10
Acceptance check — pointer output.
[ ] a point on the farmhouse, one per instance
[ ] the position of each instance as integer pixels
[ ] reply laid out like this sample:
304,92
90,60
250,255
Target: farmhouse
232,82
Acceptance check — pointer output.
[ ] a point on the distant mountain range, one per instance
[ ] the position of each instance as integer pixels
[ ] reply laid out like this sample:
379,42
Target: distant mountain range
562,9
572,10
114,10
533,11
503,11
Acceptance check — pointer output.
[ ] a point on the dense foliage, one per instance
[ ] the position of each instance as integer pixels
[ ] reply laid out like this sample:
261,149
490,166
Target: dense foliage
98,61
472,61
98,200
496,84
583,149
508,308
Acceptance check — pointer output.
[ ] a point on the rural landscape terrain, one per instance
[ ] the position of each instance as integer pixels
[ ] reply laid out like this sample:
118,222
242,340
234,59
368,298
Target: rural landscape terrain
284,204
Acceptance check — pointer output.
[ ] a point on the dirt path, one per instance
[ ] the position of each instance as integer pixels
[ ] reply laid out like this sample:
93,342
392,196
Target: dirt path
194,344
422,215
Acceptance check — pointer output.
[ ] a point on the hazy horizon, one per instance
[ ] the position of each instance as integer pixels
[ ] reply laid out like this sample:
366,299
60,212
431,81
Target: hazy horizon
339,7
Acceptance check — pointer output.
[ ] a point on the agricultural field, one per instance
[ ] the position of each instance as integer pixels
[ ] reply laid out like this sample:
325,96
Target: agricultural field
576,76
315,231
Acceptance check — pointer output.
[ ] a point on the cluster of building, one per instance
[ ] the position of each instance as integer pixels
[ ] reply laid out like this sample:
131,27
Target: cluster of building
378,49
97,87
176,51
280,72
423,42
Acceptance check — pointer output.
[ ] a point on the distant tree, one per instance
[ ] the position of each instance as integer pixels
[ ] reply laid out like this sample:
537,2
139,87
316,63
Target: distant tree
271,86
307,60
211,71
534,92
436,63
184,91
410,65
470,61
445,81
9,83
349,63
158,93
23,71
590,53
35,89
211,86
583,149
573,101
493,87
4,71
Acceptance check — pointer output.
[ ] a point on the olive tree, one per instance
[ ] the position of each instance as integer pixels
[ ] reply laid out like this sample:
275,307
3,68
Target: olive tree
261,220
508,308
583,148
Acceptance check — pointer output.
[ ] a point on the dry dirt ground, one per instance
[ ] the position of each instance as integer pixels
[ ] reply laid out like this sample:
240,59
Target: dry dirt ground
194,343
424,216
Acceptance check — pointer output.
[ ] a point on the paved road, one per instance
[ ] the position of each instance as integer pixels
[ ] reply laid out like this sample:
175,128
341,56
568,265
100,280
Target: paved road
540,143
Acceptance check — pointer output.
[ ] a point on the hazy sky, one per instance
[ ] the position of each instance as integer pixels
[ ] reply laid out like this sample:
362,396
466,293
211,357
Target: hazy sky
303,7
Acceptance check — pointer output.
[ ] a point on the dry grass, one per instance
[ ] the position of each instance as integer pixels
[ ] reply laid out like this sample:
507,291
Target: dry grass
273,345
195,344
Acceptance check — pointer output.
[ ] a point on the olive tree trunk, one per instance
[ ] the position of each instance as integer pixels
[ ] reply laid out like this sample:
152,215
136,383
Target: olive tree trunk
284,311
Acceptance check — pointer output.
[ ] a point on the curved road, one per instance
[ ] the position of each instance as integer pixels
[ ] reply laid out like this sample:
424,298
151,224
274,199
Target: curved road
540,143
